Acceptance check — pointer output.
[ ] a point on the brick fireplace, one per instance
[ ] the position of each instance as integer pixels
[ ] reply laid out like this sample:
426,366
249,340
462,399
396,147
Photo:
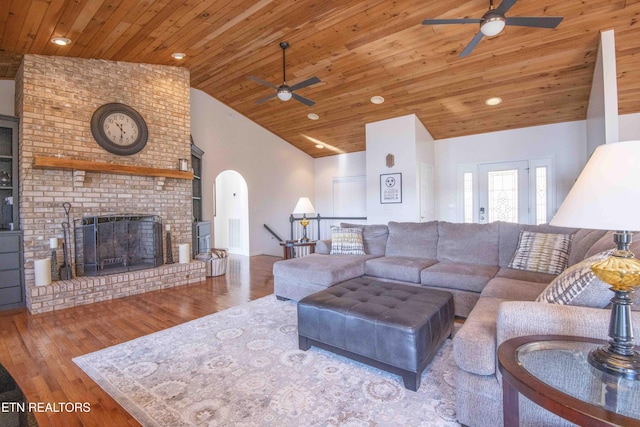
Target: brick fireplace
55,99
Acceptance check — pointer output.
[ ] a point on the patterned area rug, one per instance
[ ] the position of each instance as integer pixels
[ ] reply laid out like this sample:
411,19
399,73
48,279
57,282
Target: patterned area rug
242,367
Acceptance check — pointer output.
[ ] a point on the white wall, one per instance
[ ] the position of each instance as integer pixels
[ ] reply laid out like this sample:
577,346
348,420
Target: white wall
564,143
407,139
333,167
7,97
629,127
602,113
277,174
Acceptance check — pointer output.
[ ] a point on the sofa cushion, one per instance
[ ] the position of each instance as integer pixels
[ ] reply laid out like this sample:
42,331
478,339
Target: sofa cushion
346,241
527,276
468,243
374,236
512,290
458,275
578,285
323,246
510,236
406,269
606,242
582,242
413,239
542,252
474,345
325,270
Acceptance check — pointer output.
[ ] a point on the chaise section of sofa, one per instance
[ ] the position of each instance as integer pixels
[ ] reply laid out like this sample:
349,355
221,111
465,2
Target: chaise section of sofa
296,278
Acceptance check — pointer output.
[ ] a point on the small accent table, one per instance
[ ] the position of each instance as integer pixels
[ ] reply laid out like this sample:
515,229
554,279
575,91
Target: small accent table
290,246
581,394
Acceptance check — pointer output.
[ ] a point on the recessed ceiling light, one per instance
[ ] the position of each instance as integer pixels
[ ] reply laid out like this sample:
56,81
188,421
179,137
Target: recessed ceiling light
493,101
61,41
319,146
178,55
377,99
313,116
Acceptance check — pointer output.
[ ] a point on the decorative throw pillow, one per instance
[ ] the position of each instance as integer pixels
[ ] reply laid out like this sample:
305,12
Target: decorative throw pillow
578,285
542,252
346,241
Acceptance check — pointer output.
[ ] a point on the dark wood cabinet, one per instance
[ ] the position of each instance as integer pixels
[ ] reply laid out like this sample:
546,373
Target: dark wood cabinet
196,165
201,241
8,173
11,270
11,242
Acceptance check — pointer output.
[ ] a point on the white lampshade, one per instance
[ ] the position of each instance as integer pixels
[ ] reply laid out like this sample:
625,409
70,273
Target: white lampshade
606,195
303,206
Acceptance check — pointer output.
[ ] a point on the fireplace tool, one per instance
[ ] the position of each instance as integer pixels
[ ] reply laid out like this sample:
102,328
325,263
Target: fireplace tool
65,269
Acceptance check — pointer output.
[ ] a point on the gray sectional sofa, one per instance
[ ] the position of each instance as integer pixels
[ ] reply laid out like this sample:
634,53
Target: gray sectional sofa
472,261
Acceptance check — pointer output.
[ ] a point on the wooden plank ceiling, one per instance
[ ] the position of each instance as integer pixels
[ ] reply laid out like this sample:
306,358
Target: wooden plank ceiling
358,49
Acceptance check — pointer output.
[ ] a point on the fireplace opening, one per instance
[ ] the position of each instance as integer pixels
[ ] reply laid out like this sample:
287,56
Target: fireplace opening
117,243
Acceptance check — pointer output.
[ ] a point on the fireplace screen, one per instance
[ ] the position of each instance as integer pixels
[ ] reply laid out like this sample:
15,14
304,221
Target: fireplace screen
118,243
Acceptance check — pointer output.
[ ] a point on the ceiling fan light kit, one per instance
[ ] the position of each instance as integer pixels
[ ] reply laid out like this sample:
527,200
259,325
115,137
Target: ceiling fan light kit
492,26
284,92
494,21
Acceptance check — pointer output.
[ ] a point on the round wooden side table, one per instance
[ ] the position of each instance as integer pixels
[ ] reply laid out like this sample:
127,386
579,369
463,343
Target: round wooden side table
553,372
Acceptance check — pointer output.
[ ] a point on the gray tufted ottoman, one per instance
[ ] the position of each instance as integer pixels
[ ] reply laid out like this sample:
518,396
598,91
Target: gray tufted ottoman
394,327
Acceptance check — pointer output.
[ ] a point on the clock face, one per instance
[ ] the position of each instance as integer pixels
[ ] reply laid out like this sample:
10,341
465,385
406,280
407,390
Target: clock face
119,129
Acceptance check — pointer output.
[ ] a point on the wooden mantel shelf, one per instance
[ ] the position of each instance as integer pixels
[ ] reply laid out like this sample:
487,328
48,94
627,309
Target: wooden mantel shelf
42,162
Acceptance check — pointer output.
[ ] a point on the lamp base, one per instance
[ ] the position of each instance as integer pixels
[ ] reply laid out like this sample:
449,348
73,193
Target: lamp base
619,365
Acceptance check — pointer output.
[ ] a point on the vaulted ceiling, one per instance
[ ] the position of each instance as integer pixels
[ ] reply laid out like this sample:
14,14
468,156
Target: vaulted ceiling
358,49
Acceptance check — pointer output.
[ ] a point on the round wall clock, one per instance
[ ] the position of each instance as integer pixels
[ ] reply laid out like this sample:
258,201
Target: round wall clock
119,129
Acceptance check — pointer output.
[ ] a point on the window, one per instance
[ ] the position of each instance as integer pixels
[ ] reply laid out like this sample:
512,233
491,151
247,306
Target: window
503,195
541,195
467,179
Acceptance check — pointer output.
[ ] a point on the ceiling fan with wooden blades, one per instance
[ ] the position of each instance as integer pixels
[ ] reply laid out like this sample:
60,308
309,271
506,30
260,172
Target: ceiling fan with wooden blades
284,92
492,23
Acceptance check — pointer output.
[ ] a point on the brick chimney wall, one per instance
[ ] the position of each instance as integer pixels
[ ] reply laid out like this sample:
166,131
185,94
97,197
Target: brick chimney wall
55,99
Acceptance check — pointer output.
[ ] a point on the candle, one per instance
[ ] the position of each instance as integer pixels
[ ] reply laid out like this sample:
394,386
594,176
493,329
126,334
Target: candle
53,243
42,271
183,253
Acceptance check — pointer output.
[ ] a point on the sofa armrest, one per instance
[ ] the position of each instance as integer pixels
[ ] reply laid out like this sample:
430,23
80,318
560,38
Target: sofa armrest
323,247
518,318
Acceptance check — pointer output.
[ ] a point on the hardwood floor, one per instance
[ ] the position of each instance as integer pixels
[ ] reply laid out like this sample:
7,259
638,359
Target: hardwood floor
37,349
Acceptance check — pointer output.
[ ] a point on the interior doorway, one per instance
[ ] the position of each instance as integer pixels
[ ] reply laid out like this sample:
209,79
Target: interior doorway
231,213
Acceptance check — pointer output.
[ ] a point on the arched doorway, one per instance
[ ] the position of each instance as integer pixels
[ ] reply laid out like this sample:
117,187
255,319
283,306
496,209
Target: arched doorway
231,220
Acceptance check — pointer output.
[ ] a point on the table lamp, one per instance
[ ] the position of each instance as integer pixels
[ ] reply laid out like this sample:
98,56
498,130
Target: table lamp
606,196
304,207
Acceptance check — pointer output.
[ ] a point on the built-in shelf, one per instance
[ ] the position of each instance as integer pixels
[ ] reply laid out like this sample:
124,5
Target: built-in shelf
42,162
